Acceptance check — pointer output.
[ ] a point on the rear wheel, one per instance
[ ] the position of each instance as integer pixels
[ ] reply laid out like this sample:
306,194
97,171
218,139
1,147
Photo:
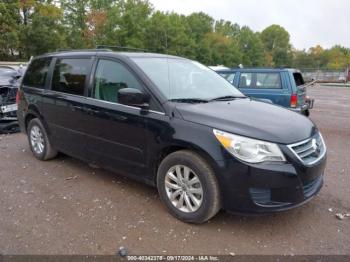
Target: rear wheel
38,141
188,187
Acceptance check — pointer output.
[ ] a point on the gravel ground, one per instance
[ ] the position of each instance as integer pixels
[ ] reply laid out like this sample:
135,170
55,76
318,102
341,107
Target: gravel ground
64,206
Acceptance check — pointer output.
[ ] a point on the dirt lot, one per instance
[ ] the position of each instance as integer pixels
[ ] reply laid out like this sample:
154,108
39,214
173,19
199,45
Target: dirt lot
65,207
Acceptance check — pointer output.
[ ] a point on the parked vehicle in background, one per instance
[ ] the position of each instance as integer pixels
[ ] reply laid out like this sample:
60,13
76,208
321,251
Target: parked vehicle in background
285,87
175,124
218,67
9,83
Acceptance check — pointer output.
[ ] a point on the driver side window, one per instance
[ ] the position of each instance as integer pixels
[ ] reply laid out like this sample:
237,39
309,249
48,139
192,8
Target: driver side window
110,77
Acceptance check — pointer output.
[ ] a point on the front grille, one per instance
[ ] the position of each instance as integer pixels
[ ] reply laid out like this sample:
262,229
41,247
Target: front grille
311,187
310,150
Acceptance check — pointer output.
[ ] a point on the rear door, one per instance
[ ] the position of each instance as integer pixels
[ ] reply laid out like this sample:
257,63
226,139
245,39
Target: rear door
63,104
265,86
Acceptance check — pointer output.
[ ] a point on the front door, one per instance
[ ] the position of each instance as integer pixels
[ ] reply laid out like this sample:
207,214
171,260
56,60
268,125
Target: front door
116,136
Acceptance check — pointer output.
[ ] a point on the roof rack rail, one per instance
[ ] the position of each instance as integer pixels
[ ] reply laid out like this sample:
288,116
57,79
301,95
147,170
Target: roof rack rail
99,47
84,50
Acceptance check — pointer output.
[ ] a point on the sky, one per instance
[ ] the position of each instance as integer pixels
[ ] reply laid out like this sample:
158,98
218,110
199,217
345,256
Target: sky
309,22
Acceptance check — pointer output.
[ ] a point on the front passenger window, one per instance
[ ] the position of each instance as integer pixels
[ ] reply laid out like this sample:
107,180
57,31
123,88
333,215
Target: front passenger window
228,76
110,77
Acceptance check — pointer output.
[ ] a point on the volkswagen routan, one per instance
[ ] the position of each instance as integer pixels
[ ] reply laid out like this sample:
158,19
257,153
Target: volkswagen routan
175,124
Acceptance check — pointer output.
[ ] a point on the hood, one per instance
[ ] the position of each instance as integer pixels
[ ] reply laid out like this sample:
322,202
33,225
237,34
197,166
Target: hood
250,118
6,81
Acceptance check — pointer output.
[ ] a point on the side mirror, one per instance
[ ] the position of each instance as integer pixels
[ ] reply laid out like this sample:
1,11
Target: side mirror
133,97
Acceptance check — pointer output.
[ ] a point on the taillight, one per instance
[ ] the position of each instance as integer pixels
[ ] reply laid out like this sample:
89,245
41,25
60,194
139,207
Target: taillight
293,101
18,96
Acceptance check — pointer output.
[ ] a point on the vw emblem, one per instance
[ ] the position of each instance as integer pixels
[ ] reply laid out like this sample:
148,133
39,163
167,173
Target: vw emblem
315,146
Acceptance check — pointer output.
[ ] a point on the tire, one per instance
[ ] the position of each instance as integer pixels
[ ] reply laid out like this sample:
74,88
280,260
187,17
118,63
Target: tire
306,113
208,202
36,129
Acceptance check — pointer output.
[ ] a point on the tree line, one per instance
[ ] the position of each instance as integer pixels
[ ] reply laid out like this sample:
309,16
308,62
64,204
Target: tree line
29,28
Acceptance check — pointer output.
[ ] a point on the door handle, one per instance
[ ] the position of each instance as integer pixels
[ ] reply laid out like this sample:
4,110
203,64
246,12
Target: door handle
116,117
91,111
77,108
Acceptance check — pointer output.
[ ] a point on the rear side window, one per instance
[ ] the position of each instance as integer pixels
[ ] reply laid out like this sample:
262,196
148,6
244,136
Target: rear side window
246,80
110,77
299,80
70,74
268,80
36,73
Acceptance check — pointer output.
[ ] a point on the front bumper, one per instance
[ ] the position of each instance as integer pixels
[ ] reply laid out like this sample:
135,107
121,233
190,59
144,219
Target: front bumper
268,187
9,126
8,121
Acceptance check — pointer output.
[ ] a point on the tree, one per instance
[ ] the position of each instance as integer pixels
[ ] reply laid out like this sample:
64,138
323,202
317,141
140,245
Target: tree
9,30
338,57
170,33
133,22
75,17
302,59
32,27
226,28
277,43
199,25
251,47
220,50
45,32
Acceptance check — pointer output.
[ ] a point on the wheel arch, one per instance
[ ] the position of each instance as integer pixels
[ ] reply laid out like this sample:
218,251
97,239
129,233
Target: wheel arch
32,113
167,150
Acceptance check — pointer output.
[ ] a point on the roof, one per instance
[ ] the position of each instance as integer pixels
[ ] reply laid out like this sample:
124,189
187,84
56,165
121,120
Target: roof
109,53
218,67
260,69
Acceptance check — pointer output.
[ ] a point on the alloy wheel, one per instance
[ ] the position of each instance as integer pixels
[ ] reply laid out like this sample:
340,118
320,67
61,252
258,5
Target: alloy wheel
37,140
184,188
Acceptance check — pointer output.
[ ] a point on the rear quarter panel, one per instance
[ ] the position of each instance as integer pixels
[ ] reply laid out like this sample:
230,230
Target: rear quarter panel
301,92
30,104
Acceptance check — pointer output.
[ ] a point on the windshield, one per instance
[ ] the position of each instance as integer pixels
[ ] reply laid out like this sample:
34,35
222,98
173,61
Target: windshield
185,79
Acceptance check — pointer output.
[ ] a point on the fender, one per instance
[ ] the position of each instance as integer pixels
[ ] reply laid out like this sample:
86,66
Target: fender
177,146
264,100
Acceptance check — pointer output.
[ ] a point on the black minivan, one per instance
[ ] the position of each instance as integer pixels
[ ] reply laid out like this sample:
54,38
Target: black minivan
175,124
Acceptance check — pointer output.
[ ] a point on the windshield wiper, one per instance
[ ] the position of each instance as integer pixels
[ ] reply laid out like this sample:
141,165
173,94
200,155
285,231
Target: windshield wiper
189,100
225,98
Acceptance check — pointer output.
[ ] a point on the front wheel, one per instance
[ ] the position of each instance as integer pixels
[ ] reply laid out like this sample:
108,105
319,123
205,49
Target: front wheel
188,187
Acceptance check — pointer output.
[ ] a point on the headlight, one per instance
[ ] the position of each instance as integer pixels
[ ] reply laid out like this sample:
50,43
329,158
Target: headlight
248,149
